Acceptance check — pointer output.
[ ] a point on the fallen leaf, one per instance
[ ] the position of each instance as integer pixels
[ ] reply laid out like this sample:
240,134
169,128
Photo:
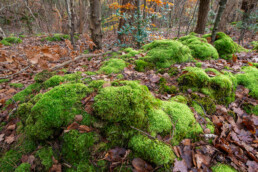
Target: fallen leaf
78,118
84,128
180,166
10,139
115,155
73,126
141,166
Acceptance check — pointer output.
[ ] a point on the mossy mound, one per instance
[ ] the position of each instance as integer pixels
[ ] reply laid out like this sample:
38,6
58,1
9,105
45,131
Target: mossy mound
221,87
164,53
130,53
56,108
200,48
58,37
249,79
112,66
225,46
10,40
26,94
222,168
57,79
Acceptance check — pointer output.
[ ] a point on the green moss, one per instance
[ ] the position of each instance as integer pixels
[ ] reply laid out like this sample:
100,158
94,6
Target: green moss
206,102
225,45
96,84
4,80
130,53
210,125
56,108
24,167
112,66
26,94
16,85
83,166
255,45
222,168
183,119
45,155
198,64
159,122
164,88
127,103
10,160
10,40
120,76
141,65
164,53
90,73
76,146
57,37
57,79
151,150
249,79
43,76
22,36
199,47
179,99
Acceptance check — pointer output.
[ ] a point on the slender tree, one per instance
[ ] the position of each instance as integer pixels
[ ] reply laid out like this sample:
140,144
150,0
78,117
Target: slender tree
204,8
222,6
95,23
71,18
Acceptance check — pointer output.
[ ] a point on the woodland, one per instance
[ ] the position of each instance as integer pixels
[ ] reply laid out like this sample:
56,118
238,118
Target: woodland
128,85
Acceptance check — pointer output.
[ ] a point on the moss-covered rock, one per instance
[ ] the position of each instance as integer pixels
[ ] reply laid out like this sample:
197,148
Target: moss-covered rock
179,99
164,53
43,76
58,79
221,87
225,45
182,117
23,167
222,168
27,93
152,150
200,48
56,108
130,53
141,65
249,79
164,88
112,66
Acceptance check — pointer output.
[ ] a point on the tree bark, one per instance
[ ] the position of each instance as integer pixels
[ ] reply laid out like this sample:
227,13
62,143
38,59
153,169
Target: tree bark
71,16
95,23
202,16
231,4
2,34
222,6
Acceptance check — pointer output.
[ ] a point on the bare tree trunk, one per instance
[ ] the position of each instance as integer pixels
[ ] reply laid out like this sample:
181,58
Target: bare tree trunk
95,23
189,24
224,20
70,11
222,6
81,16
202,16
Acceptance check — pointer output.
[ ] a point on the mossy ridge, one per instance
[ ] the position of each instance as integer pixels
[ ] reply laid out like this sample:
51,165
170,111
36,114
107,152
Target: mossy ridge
27,93
222,168
249,79
58,37
220,87
56,108
200,48
164,53
225,46
112,66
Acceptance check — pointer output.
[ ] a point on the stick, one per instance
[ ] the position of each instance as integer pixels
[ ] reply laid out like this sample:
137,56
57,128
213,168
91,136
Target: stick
5,77
143,132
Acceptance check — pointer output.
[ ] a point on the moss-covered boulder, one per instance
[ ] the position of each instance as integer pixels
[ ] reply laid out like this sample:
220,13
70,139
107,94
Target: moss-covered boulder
56,108
249,79
200,48
220,87
225,46
164,53
112,66
222,168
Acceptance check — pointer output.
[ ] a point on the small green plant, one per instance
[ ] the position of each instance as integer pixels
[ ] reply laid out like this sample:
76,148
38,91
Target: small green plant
11,40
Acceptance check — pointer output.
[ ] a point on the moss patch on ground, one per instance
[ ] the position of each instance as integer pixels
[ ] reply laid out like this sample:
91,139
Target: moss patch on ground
16,85
249,79
200,48
112,66
164,53
10,40
130,53
222,168
225,46
24,167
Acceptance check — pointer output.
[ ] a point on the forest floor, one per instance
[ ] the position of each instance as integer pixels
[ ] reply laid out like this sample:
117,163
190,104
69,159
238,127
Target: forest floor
233,142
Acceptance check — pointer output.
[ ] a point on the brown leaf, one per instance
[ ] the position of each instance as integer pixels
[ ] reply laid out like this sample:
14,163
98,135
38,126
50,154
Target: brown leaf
234,58
10,139
56,168
73,126
141,166
180,166
84,128
1,137
11,127
115,155
202,159
154,78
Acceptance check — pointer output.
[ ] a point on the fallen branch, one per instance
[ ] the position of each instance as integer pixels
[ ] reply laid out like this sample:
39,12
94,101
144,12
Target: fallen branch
9,76
143,132
78,58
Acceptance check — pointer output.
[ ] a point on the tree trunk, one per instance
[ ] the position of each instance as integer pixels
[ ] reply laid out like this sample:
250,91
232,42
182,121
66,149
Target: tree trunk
71,16
2,34
222,6
81,17
202,16
95,23
231,4
190,22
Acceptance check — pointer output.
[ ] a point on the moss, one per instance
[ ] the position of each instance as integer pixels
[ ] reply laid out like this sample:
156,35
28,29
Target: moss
4,80
24,167
10,160
179,99
16,85
127,103
45,155
210,125
164,88
10,40
112,66
55,109
198,64
76,146
206,102
57,79
152,150
164,53
43,76
199,47
90,73
255,45
83,166
249,79
26,94
57,37
141,65
159,122
225,45
183,119
120,76
222,168
96,84
130,53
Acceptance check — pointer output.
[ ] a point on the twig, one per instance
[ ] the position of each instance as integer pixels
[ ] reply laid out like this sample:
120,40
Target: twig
173,132
143,132
8,6
5,77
